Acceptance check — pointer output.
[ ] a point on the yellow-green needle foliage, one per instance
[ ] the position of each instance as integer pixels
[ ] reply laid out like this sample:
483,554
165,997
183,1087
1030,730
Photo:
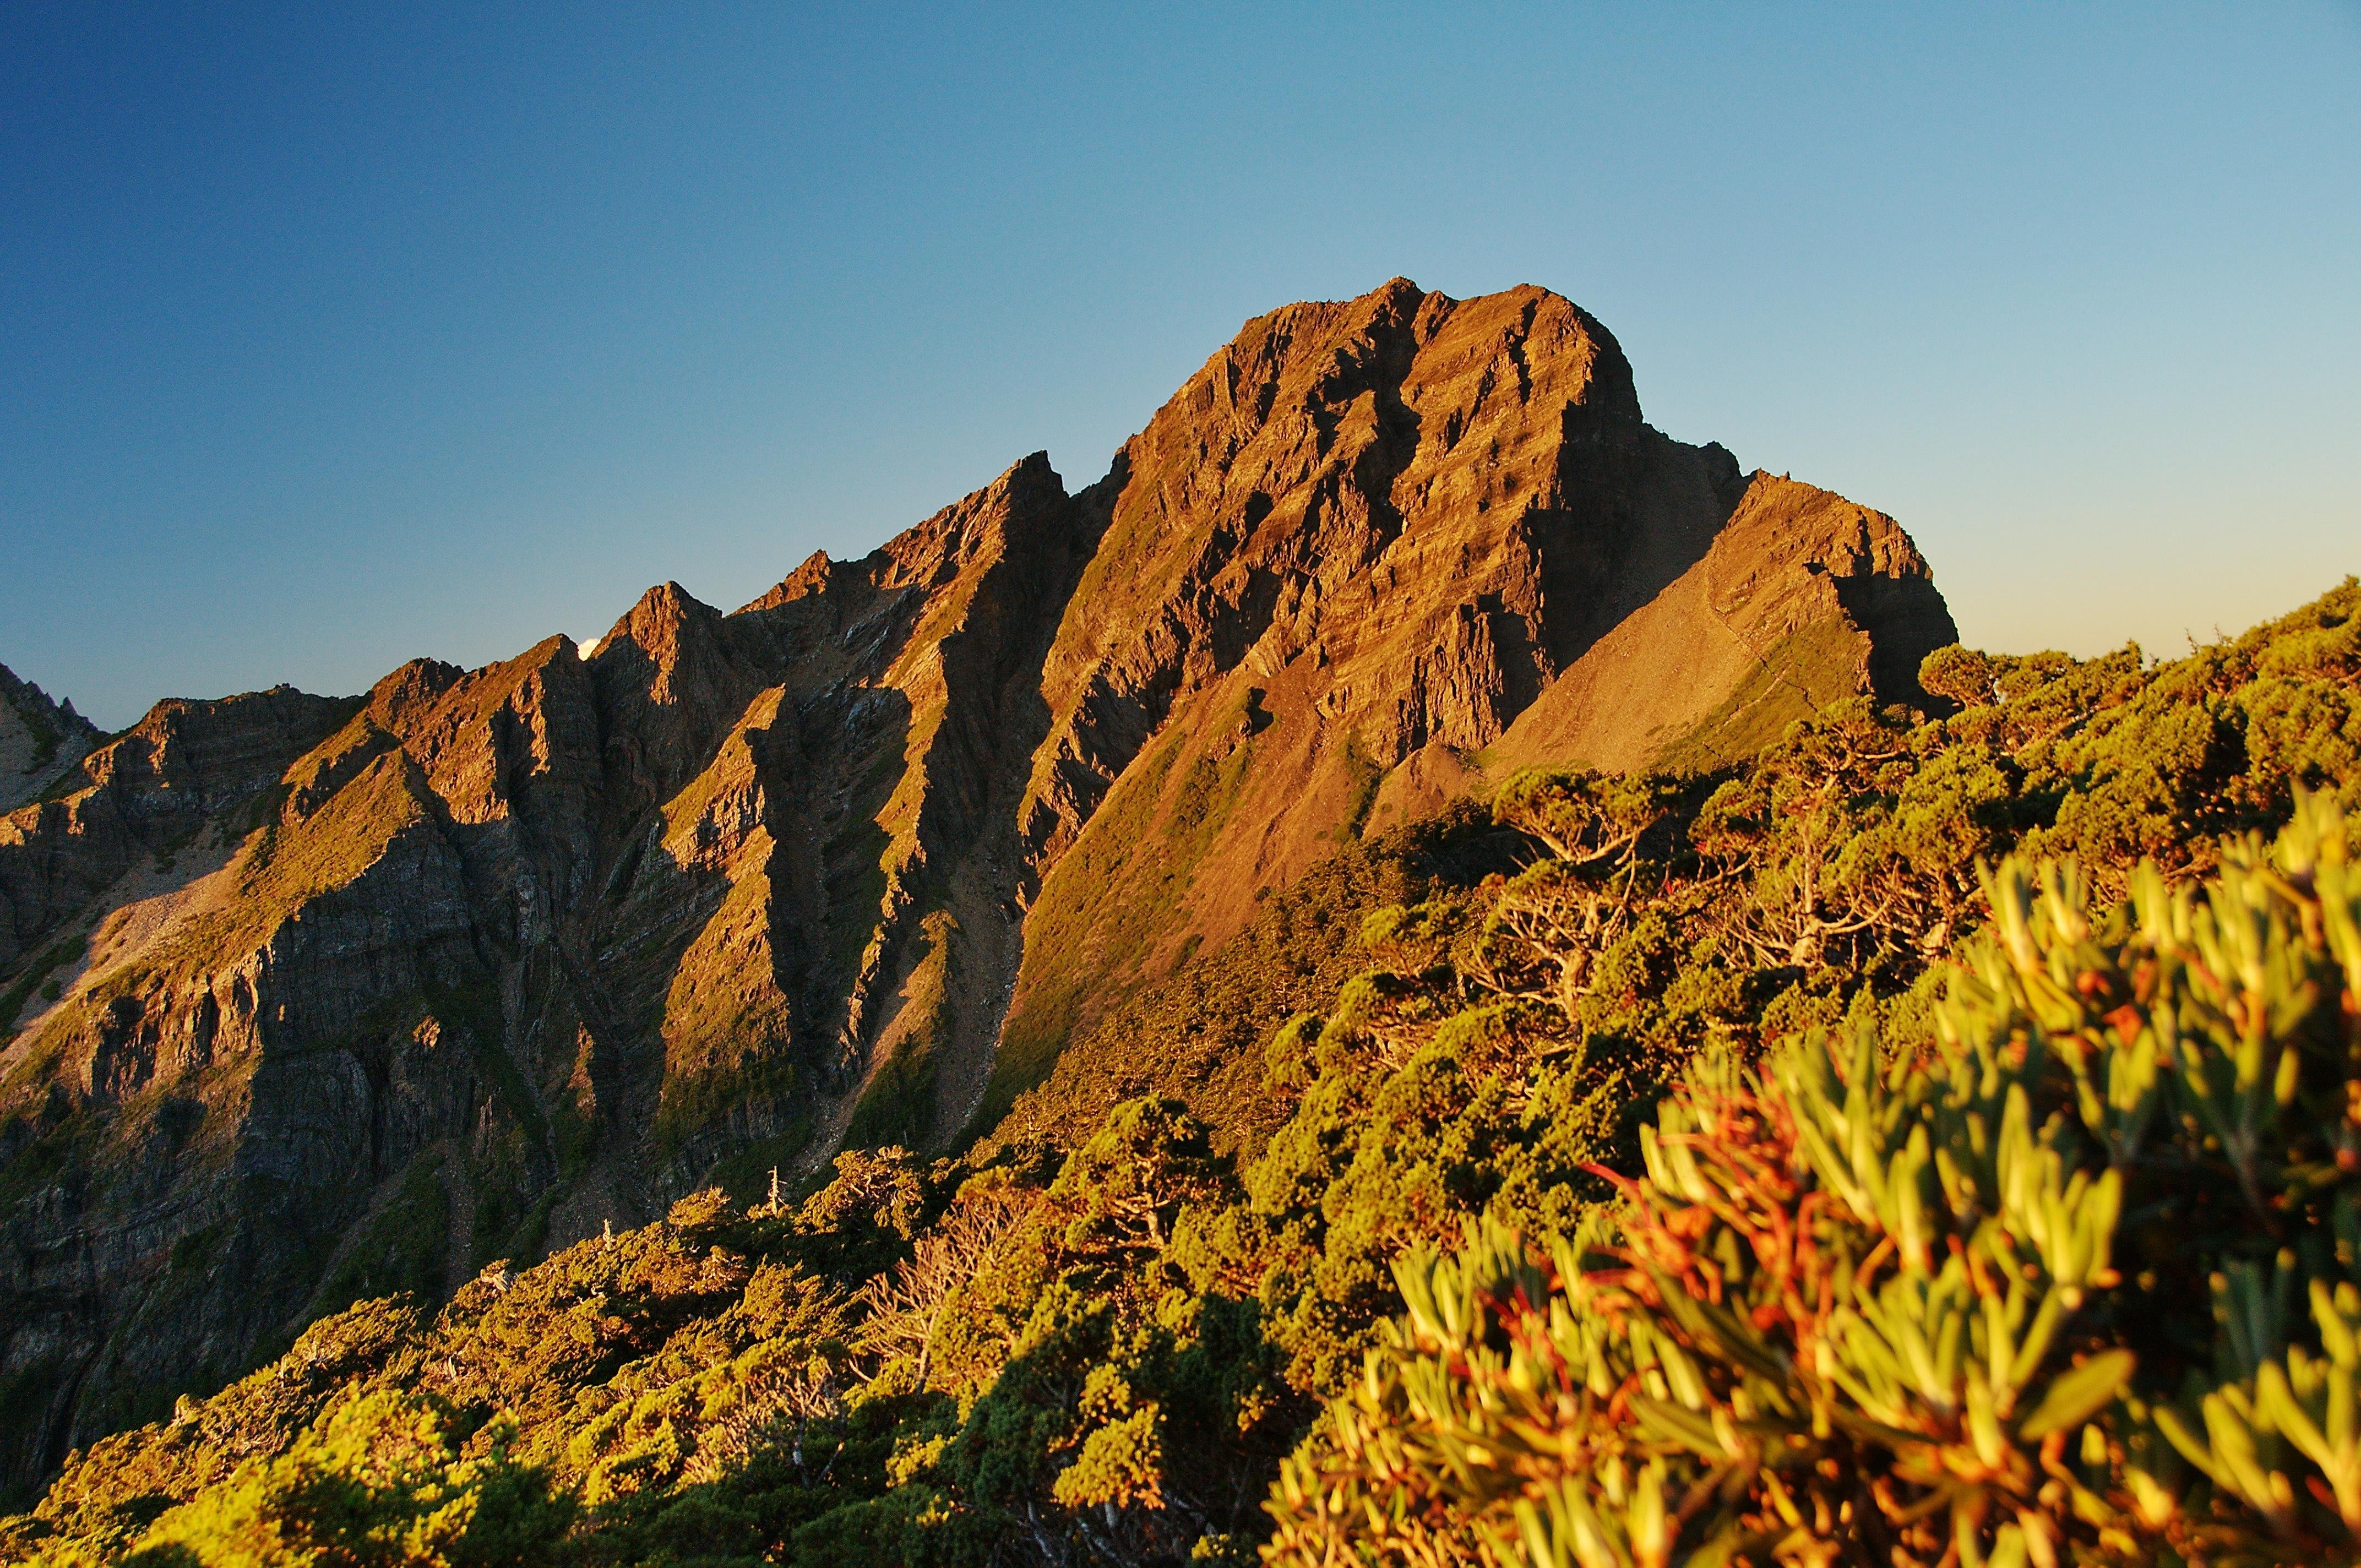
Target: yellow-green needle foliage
2079,1284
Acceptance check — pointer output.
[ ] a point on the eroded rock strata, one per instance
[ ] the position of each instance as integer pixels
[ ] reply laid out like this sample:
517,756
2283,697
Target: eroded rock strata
319,998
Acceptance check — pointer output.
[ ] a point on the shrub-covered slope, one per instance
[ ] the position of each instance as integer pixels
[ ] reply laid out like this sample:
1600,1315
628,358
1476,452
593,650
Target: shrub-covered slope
1817,1215
1879,1300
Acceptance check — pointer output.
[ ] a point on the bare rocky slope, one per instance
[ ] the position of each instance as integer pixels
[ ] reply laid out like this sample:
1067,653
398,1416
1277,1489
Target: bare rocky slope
309,999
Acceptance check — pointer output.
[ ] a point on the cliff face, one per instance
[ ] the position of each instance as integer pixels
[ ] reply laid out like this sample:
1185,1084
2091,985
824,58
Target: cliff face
320,999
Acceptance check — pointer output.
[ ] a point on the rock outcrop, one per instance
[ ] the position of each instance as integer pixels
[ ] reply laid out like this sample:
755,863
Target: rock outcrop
40,740
320,998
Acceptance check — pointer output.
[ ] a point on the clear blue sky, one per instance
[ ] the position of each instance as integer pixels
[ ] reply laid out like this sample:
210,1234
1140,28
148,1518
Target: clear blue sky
332,336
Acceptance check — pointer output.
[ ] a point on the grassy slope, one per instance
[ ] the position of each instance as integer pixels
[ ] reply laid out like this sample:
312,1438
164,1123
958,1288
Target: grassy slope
1107,903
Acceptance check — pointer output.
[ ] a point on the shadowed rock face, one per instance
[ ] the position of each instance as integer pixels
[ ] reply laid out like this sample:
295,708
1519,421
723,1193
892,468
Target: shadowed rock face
40,740
330,998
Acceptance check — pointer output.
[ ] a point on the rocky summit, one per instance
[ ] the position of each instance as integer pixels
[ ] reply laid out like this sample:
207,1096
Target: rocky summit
312,999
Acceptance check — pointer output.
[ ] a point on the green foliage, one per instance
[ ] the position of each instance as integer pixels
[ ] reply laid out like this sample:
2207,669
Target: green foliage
1939,1309
382,1479
112,1490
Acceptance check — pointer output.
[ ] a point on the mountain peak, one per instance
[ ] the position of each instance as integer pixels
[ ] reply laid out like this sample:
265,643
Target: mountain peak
860,863
658,617
806,579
